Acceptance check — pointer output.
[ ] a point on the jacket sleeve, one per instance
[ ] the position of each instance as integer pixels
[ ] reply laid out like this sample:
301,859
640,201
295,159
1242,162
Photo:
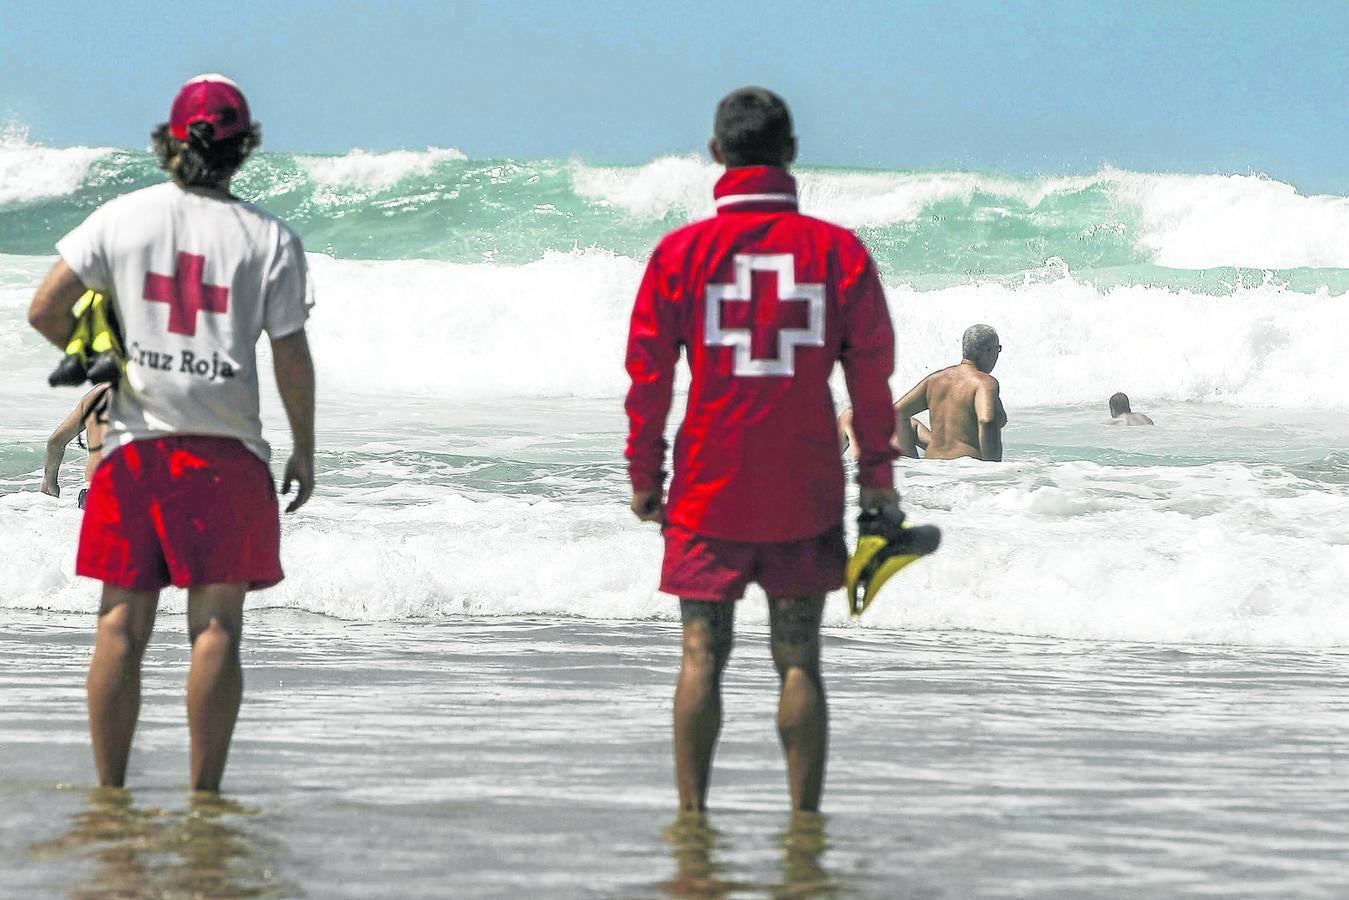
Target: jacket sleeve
653,352
868,360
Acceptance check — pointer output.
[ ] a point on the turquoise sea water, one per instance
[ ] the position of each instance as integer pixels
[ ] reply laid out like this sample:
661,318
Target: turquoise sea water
1117,678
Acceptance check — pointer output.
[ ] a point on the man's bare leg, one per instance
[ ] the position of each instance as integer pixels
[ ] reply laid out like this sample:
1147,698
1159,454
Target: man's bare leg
803,714
708,637
215,683
922,435
125,621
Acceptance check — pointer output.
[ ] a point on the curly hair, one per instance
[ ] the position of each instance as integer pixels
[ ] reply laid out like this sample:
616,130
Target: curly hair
202,161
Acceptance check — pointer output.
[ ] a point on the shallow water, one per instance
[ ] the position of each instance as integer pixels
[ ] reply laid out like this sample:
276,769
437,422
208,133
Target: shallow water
477,757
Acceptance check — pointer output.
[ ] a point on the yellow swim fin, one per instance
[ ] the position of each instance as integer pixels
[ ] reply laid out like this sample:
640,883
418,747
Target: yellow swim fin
107,359
885,544
94,350
72,368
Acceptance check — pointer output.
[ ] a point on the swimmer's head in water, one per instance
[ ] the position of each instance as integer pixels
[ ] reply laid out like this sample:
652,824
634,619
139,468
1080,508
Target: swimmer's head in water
981,346
753,127
1119,404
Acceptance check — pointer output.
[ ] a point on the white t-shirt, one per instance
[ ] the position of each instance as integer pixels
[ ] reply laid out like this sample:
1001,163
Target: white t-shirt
196,280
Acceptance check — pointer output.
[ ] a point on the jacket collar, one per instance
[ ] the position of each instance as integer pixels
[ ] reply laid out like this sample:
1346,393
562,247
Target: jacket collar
755,189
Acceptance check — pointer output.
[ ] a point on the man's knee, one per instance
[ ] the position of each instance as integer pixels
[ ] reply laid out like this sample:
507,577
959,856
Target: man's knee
126,620
217,633
705,649
117,633
795,633
216,613
708,635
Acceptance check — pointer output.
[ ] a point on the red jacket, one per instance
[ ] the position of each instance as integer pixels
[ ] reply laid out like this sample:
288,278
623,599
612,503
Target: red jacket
764,300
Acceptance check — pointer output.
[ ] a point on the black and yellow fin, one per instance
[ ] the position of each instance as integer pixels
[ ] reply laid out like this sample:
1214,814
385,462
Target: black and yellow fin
885,545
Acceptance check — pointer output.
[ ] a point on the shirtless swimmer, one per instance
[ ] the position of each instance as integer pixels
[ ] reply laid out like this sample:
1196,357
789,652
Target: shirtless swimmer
965,407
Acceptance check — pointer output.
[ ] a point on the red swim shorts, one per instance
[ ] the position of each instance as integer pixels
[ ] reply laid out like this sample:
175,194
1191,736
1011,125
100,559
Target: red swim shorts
185,510
698,567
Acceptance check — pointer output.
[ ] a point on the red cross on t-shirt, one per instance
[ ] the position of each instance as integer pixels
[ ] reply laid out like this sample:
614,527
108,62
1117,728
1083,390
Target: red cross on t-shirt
186,294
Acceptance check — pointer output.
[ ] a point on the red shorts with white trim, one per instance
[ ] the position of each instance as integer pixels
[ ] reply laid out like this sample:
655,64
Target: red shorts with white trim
185,510
698,567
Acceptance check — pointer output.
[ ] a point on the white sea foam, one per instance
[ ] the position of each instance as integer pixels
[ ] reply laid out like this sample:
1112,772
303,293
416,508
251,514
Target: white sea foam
1241,553
1206,221
364,171
1182,221
1187,221
30,171
551,328
683,185
1067,342
1223,553
557,328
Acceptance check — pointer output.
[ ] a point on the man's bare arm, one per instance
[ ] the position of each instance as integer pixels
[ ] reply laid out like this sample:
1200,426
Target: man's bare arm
908,406
70,426
847,438
49,313
56,449
295,380
987,408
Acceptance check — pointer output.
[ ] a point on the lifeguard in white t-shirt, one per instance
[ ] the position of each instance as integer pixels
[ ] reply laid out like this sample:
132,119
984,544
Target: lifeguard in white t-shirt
184,494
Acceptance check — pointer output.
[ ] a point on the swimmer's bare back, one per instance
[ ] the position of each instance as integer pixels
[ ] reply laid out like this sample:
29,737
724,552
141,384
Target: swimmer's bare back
966,414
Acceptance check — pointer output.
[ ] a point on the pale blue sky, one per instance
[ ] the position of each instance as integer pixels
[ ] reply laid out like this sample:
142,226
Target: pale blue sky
1017,87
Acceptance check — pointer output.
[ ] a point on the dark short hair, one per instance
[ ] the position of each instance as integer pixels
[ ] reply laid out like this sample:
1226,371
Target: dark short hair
754,128
1119,403
202,161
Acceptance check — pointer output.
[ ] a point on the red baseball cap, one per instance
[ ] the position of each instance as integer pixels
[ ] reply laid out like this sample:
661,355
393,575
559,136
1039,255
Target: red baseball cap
210,98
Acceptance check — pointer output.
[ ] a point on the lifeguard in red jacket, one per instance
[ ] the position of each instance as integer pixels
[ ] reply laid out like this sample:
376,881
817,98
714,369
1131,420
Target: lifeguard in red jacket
763,300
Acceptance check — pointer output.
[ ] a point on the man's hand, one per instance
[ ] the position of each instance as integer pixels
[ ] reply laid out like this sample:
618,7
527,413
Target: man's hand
649,506
299,469
877,497
295,381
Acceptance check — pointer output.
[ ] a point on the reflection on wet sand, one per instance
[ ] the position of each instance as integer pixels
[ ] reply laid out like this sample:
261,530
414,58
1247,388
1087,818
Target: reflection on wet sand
697,847
804,842
140,852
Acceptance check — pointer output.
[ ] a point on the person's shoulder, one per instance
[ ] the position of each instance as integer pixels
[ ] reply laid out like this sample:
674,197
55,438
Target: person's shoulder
844,238
287,240
935,378
287,235
267,217
684,235
956,371
135,202
676,245
983,379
